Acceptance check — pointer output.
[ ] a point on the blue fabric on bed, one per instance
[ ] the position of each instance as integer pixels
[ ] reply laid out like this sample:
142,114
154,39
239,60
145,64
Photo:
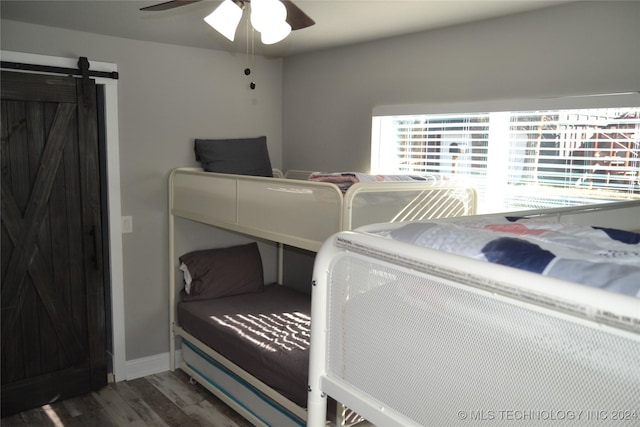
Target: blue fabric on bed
517,253
623,236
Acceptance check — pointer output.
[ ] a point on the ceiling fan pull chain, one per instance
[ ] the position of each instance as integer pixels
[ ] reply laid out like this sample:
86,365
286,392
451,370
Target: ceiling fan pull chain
252,85
247,70
247,42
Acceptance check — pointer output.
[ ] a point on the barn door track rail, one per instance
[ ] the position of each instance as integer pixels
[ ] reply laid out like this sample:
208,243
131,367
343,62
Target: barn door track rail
82,70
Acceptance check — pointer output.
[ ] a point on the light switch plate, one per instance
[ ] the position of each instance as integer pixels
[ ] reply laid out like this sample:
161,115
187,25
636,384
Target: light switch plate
127,224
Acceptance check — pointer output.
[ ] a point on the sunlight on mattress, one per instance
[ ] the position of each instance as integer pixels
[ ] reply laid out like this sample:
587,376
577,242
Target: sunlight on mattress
272,332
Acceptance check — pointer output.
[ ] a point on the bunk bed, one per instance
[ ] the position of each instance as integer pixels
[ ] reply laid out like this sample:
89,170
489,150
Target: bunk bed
454,339
304,213
291,211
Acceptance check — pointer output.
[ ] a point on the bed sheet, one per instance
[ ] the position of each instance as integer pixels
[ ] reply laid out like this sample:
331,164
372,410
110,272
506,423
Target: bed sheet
266,334
595,256
344,180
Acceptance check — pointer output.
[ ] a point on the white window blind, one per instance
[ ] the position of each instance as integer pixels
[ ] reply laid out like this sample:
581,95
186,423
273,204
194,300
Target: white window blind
519,159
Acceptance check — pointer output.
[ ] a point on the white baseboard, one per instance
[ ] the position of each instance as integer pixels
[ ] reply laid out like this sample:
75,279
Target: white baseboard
150,365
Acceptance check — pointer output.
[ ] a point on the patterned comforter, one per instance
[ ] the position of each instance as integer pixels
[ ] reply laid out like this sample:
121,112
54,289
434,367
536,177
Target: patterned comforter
601,257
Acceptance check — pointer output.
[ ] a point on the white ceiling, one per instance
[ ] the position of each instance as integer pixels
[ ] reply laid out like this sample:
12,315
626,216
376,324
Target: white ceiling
338,22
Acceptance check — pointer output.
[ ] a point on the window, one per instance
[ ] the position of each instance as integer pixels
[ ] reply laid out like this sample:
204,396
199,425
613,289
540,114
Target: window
519,159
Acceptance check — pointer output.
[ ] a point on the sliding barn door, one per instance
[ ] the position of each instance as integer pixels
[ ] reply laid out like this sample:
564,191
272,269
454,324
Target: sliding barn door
53,299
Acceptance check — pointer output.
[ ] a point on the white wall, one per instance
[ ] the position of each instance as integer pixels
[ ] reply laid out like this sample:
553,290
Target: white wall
168,95
582,48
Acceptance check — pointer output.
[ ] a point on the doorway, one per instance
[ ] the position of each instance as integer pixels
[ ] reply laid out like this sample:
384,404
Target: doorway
54,324
112,156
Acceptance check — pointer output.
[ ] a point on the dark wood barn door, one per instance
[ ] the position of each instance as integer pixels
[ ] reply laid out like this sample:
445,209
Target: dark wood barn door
53,292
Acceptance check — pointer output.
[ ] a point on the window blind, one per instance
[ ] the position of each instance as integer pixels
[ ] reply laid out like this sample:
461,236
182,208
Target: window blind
519,159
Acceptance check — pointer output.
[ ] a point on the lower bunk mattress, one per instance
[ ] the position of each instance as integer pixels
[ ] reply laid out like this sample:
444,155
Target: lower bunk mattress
265,333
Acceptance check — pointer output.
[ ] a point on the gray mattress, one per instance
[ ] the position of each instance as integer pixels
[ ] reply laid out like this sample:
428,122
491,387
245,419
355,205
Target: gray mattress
266,334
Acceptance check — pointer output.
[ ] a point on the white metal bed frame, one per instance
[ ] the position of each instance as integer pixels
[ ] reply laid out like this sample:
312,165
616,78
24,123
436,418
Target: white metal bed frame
304,213
427,381
291,212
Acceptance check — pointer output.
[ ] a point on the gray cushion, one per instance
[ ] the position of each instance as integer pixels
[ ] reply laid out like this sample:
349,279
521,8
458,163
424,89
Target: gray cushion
244,156
223,272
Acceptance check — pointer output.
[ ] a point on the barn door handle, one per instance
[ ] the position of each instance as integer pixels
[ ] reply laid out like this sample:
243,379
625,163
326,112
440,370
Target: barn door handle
94,257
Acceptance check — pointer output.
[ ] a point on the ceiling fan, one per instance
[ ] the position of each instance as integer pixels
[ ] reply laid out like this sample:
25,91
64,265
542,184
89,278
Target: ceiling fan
296,18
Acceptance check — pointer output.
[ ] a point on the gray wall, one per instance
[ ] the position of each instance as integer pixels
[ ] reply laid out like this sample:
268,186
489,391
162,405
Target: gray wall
168,95
582,48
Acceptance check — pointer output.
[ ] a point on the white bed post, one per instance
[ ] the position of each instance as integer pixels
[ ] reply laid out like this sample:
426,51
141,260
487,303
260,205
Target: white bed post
172,280
317,399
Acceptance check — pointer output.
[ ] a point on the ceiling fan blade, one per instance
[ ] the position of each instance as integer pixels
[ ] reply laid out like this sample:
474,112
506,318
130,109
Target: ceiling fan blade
168,5
296,17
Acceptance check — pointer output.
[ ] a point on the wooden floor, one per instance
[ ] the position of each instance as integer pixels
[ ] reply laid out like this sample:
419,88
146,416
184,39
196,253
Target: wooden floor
166,399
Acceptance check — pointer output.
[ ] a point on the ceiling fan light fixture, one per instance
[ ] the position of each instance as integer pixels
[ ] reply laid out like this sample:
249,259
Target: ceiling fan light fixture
225,19
266,13
275,33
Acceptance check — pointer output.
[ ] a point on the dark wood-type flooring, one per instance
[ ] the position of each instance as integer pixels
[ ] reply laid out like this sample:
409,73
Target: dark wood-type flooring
165,399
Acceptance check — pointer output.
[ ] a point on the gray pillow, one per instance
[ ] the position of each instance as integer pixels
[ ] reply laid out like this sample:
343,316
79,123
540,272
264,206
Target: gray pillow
244,156
223,272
